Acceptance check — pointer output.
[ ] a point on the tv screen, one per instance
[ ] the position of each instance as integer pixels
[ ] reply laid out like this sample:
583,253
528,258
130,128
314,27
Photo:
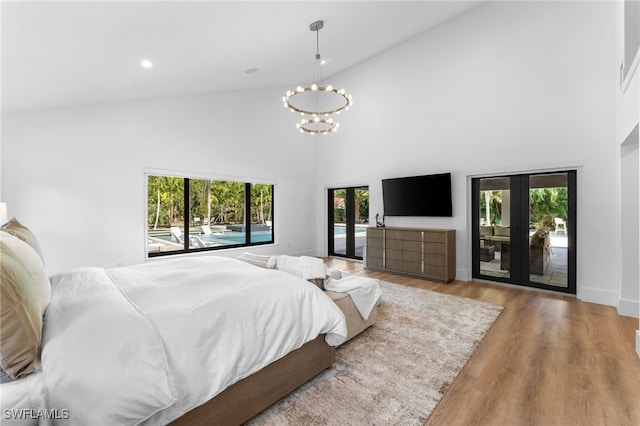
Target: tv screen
428,195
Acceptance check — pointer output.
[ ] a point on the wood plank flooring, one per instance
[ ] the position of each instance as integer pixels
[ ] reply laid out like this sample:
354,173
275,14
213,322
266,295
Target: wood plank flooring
549,359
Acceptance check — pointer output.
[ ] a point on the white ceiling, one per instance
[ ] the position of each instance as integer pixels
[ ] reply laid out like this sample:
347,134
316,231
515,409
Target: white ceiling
82,52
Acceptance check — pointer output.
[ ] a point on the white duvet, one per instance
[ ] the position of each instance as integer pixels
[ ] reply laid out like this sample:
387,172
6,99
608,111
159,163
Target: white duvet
147,343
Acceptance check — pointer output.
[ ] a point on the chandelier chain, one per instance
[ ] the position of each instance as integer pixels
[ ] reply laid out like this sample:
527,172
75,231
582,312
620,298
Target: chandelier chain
317,43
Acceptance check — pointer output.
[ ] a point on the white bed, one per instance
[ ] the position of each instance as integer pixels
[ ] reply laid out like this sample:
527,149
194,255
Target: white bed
146,344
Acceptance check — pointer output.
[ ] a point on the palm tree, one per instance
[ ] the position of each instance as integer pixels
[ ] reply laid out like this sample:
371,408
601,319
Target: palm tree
362,204
165,194
491,205
545,204
261,197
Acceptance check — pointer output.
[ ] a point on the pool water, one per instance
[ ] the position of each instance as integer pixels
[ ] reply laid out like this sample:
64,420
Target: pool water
237,237
342,230
227,238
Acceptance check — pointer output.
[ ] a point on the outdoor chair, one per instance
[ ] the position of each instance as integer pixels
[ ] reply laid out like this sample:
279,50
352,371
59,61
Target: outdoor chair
177,234
218,230
194,241
561,225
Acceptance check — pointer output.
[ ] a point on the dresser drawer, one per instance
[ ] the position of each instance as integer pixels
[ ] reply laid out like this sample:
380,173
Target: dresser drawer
435,259
374,262
392,264
375,252
412,235
375,242
435,237
392,244
412,246
412,267
375,232
437,272
393,254
412,256
393,235
435,248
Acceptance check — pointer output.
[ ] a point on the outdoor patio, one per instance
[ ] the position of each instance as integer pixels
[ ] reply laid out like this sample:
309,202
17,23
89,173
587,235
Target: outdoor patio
555,273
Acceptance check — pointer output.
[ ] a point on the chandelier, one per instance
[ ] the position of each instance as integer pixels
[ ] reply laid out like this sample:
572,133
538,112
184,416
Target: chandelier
317,102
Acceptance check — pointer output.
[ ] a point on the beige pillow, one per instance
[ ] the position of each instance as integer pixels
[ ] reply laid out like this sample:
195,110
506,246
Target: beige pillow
17,229
486,231
20,316
501,231
32,262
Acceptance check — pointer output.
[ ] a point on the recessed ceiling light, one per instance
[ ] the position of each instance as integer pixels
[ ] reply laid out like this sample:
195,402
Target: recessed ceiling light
251,71
146,63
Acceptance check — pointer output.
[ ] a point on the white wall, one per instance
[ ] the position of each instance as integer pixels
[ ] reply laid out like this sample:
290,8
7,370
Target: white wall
629,212
507,87
627,117
75,175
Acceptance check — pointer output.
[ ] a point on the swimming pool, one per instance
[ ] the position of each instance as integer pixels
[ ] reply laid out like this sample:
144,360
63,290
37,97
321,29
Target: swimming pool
230,237
342,229
226,238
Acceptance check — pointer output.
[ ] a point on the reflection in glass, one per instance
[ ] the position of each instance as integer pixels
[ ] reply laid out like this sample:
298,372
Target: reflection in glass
165,207
495,232
216,214
548,214
340,221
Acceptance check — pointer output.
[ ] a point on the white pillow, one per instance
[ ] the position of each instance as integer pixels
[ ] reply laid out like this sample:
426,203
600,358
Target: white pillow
101,359
31,260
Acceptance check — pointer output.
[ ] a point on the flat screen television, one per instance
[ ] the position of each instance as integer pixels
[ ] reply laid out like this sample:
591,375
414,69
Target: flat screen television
428,195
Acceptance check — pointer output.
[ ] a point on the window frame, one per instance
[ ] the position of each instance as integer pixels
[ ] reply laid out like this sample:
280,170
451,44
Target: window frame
187,178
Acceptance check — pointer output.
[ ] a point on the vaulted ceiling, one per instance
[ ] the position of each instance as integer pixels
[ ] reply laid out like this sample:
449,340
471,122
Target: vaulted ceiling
83,52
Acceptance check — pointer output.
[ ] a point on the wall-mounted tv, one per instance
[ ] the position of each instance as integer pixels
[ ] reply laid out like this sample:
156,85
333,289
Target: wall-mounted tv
428,195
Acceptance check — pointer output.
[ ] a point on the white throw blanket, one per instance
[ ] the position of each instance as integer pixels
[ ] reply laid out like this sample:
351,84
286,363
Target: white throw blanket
309,268
364,292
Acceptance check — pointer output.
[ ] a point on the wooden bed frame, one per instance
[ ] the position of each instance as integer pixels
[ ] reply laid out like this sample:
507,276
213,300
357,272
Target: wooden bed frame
248,397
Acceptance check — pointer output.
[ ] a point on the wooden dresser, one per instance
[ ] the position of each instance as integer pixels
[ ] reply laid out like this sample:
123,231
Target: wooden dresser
423,253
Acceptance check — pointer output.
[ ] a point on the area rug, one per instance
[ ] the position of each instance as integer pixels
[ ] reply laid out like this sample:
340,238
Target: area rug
396,372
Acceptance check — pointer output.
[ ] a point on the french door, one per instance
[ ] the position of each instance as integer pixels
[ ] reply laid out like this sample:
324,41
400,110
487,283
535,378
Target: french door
524,229
348,219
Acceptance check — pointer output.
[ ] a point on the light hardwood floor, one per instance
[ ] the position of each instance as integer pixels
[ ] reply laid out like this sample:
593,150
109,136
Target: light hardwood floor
549,359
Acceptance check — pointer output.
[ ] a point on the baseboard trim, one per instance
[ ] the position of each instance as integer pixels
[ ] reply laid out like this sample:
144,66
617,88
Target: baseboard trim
594,295
463,275
629,308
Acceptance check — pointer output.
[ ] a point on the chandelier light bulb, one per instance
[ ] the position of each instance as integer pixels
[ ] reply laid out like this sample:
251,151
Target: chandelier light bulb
317,125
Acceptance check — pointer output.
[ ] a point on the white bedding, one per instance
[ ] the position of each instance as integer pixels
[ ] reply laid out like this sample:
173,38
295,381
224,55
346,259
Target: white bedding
306,267
364,292
147,343
19,399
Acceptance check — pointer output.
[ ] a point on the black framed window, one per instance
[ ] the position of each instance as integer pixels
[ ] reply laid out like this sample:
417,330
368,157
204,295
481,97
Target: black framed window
190,215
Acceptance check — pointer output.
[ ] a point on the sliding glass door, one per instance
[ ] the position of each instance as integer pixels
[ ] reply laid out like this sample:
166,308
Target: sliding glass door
348,219
524,229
